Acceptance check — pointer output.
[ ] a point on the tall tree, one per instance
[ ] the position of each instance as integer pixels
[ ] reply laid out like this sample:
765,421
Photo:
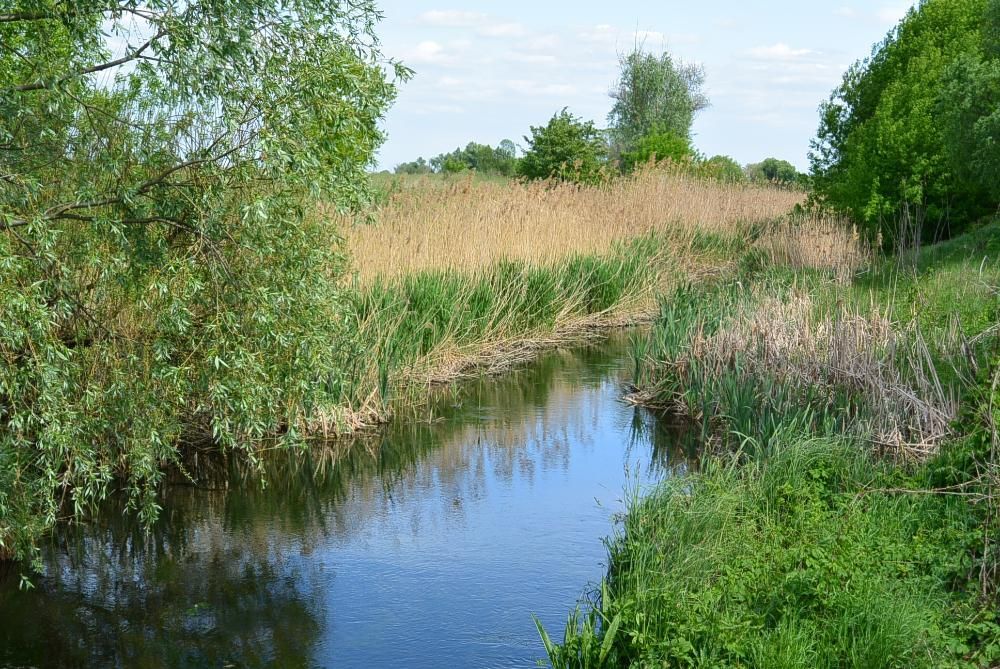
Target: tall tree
655,94
161,277
881,153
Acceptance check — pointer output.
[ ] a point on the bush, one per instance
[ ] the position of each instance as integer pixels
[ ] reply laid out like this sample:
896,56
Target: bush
722,168
773,170
485,159
898,139
659,146
567,148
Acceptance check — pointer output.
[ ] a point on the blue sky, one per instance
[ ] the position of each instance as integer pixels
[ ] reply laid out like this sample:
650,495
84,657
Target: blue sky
486,71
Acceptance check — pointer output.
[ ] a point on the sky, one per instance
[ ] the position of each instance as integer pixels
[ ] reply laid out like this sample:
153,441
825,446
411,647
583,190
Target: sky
488,70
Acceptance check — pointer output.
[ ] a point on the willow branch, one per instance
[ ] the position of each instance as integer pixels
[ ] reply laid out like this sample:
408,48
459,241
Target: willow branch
137,53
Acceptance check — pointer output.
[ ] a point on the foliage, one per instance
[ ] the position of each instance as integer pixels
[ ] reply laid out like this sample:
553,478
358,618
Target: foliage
418,166
655,95
807,557
969,106
722,168
773,170
483,158
160,280
567,149
882,153
659,146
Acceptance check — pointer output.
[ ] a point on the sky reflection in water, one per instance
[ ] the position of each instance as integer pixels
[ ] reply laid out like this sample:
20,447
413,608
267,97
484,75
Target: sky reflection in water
431,545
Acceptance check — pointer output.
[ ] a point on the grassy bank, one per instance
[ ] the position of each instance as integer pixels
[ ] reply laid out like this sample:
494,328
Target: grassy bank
462,274
844,514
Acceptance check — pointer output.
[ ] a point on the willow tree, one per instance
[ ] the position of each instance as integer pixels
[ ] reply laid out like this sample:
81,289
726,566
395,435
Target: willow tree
163,278
655,95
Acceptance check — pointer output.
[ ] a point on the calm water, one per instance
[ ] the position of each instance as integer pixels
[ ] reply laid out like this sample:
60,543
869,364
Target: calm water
429,546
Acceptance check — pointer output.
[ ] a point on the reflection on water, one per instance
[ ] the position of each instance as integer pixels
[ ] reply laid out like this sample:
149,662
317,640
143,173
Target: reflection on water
430,545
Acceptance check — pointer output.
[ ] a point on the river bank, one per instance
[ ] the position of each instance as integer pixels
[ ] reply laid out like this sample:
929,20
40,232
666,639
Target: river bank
844,513
420,541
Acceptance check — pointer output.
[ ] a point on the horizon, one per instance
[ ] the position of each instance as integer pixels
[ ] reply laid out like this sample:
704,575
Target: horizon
488,74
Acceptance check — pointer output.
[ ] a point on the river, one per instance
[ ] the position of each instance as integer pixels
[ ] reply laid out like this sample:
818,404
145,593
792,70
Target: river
431,544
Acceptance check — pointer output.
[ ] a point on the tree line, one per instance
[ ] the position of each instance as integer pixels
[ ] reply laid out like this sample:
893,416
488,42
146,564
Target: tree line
656,100
909,143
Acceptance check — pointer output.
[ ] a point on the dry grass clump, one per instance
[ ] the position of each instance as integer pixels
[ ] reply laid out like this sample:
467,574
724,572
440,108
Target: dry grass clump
817,243
887,370
756,362
471,224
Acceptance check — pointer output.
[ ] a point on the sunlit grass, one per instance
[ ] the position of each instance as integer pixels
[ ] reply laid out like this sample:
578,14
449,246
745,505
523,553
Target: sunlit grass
469,224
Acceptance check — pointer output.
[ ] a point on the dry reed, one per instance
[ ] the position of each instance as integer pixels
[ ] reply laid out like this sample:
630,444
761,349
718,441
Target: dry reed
888,368
831,244
468,225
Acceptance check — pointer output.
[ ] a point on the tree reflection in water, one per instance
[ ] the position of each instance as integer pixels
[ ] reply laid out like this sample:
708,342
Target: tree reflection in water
227,575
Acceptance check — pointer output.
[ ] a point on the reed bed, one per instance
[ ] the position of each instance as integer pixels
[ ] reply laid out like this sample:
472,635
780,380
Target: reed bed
471,275
819,242
773,360
433,327
468,225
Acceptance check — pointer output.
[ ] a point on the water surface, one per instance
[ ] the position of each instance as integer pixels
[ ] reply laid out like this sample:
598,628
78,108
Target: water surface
430,545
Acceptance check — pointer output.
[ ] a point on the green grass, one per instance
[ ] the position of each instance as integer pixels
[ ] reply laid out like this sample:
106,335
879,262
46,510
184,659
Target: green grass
786,561
404,323
798,544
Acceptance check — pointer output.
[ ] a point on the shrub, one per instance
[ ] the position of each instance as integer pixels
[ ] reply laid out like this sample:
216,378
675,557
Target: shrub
567,148
659,146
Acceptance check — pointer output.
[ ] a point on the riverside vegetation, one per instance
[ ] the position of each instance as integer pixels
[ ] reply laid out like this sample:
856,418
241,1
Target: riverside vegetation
170,282
845,512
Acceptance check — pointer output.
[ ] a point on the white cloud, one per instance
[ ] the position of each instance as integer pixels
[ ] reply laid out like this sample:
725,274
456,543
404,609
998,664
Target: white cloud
528,87
452,19
427,52
603,33
846,12
503,30
483,24
779,51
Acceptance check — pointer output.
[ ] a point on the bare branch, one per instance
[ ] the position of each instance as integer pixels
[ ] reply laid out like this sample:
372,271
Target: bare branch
26,16
40,85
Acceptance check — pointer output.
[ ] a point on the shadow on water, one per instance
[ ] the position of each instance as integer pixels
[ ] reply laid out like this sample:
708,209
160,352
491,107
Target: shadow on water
430,540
